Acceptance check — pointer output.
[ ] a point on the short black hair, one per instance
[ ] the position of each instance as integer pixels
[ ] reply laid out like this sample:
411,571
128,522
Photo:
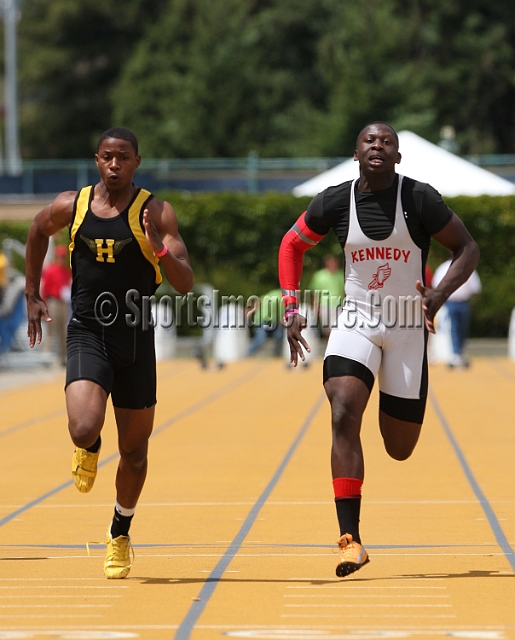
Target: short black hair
379,122
120,133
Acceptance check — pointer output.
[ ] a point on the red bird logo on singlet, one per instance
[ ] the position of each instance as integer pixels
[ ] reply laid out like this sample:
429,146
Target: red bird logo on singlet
383,273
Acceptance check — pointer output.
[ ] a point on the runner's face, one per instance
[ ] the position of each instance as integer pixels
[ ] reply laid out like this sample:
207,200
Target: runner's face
377,150
116,161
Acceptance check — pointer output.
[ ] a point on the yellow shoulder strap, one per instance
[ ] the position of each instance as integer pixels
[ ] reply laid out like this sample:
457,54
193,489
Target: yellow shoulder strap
134,223
80,212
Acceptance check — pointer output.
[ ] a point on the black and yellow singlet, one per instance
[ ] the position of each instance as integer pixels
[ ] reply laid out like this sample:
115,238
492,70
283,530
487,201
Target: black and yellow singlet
111,261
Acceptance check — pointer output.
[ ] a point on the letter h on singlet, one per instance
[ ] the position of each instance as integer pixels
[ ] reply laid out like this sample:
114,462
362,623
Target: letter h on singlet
107,250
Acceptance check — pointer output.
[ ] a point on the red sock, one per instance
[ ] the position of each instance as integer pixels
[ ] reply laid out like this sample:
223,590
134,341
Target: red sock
347,488
347,496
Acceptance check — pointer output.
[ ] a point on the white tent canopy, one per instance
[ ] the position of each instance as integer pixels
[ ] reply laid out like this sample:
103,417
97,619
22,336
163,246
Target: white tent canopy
426,162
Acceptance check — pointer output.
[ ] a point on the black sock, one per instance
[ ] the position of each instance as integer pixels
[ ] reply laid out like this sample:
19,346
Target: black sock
120,525
95,447
347,510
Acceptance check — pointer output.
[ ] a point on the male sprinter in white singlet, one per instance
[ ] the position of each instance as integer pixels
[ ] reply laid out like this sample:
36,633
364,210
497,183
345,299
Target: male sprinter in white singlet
384,223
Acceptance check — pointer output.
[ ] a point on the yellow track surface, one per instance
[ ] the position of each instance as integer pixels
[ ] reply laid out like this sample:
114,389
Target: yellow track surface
234,534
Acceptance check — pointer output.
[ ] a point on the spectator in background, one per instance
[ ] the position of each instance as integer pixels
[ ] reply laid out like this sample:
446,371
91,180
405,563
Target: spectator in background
458,308
4,274
265,315
327,290
56,291
12,312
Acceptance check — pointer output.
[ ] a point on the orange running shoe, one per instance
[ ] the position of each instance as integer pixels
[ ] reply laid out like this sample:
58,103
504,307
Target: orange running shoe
352,556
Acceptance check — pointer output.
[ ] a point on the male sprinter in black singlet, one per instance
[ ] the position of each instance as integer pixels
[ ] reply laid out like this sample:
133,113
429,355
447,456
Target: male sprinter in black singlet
119,234
384,223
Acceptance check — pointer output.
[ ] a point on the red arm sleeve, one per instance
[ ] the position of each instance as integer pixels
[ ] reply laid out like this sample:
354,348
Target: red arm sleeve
295,243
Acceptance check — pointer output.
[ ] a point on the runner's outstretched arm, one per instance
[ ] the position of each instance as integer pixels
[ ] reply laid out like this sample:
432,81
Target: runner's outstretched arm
456,238
294,245
162,232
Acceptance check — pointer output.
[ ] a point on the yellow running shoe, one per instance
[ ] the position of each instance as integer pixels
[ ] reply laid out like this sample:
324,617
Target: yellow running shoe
352,556
118,558
84,469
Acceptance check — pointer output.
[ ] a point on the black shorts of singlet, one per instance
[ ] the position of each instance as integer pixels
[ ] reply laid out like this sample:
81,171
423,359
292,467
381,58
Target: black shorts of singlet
121,360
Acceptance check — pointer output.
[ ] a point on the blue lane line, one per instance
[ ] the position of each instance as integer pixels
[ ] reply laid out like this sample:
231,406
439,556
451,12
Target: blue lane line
49,494
204,402
57,413
196,609
31,421
500,536
165,425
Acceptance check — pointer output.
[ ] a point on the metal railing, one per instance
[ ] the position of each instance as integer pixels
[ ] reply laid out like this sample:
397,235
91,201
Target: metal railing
248,173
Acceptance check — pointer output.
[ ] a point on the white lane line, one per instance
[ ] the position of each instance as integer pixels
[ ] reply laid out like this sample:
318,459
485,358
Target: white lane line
239,555
47,557
74,616
347,595
146,552
50,606
245,503
67,587
143,553
437,553
209,571
49,579
325,586
375,616
289,628
337,583
59,596
249,544
64,586
368,605
294,631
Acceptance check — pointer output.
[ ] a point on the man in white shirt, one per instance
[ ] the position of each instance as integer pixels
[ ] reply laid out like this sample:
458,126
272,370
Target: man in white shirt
458,308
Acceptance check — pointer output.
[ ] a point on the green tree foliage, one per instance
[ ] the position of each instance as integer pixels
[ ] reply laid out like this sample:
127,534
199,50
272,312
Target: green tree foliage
70,53
14,230
234,238
468,55
303,79
224,77
420,65
200,78
372,73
